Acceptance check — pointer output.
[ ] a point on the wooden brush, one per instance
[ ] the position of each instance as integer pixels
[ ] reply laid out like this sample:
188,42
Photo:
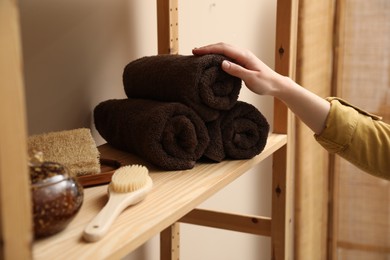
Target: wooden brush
129,185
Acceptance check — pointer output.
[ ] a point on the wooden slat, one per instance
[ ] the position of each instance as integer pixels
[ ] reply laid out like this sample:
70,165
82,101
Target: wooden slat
15,214
167,26
285,55
250,224
168,43
170,243
315,35
284,122
282,219
364,247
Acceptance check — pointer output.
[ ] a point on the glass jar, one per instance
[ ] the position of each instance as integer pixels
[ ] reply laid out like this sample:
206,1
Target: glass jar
57,197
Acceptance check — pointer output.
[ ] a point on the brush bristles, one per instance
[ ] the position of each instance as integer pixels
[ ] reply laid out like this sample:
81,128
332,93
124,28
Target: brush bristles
129,178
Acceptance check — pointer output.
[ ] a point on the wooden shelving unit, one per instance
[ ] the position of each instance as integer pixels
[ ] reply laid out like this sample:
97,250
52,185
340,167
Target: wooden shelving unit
175,194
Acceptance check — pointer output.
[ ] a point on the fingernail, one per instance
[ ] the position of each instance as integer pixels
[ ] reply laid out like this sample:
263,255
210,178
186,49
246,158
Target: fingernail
226,64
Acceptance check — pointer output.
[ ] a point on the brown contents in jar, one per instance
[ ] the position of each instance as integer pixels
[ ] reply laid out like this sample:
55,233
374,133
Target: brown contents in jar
56,198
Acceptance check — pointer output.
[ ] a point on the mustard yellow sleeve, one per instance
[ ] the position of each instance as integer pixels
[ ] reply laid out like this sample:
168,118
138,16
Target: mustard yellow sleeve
358,136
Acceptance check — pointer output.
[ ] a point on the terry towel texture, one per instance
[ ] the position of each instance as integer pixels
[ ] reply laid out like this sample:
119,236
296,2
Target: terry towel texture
240,133
169,135
196,81
75,149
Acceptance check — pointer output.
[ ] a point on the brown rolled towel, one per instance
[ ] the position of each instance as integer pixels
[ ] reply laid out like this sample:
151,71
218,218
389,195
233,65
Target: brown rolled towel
196,81
240,133
169,135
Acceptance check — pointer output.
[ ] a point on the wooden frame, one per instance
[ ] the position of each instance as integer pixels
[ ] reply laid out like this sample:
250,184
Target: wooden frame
281,232
167,26
174,195
15,213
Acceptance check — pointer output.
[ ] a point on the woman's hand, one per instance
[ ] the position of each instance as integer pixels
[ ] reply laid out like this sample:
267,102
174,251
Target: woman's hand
261,79
257,76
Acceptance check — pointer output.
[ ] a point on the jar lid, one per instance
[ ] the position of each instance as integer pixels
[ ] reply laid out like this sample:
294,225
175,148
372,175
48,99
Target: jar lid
47,173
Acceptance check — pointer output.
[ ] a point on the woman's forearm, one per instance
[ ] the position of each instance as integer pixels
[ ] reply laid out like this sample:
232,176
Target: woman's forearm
310,108
261,79
360,138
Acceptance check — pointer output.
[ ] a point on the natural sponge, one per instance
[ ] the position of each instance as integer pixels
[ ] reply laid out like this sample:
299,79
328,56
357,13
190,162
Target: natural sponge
75,149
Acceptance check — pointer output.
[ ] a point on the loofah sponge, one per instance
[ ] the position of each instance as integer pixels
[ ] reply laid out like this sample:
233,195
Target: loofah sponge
75,149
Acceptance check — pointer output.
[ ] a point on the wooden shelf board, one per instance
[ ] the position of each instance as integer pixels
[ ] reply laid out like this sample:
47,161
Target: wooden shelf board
174,194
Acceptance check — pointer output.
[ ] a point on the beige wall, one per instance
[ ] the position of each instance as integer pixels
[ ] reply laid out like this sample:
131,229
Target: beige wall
75,52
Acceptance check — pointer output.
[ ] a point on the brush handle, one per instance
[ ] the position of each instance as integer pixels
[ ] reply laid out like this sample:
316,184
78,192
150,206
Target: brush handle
117,202
99,226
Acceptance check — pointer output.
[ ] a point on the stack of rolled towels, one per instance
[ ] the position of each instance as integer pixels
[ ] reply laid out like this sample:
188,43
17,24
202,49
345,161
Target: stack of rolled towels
180,109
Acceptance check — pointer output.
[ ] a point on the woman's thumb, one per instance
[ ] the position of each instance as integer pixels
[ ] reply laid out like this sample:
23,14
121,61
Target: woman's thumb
233,69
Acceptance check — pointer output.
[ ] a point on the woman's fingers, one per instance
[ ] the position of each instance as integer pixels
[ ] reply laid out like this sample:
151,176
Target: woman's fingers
234,69
227,50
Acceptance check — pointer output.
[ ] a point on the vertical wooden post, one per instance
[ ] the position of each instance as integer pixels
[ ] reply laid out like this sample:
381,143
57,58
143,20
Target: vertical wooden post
284,123
285,56
167,26
281,220
170,243
334,182
168,43
15,204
